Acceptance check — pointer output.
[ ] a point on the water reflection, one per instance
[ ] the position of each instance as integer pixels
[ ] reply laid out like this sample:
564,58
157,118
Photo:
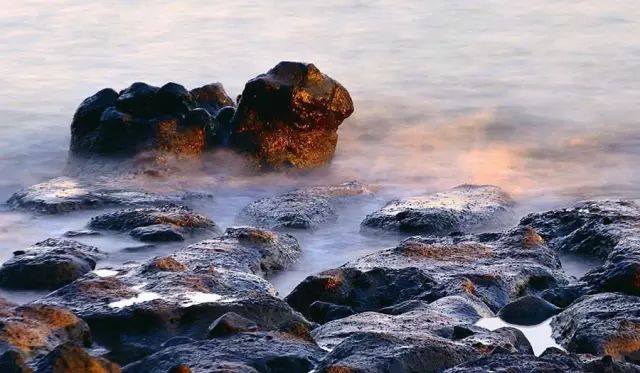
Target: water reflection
538,335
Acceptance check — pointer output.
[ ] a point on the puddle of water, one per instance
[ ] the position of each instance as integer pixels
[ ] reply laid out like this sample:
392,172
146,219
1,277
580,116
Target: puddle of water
578,265
105,272
196,297
140,298
538,335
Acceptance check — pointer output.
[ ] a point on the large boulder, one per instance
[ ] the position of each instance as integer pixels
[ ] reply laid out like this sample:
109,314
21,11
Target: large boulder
304,208
143,117
33,330
245,352
49,264
465,208
609,230
528,310
133,311
164,223
496,268
601,324
289,116
551,361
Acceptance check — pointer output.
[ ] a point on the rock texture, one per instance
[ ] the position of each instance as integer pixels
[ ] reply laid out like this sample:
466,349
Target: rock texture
609,230
496,268
49,264
305,208
152,224
289,116
33,330
466,209
134,311
601,324
244,352
65,194
143,117
528,310
73,359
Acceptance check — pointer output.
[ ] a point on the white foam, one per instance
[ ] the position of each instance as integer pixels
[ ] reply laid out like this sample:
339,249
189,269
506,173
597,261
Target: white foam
196,297
105,272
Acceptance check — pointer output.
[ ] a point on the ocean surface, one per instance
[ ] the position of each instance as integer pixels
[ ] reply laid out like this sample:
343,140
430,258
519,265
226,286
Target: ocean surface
539,97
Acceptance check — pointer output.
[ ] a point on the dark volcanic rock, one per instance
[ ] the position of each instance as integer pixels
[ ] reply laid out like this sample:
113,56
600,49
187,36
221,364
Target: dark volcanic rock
384,353
73,359
305,208
466,208
497,268
264,352
36,329
231,323
601,324
136,310
609,230
356,290
143,117
48,264
289,116
65,194
528,310
551,361
13,362
165,223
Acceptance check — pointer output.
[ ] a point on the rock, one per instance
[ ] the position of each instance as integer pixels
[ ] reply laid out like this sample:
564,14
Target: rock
609,230
64,194
426,321
13,362
305,208
87,117
563,296
231,323
48,264
135,311
243,249
528,310
289,116
264,352
74,359
156,224
496,268
81,232
558,362
33,330
143,117
345,290
466,208
601,324
382,353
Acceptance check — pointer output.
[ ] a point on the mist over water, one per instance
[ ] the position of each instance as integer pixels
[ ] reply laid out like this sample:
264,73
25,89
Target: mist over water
539,97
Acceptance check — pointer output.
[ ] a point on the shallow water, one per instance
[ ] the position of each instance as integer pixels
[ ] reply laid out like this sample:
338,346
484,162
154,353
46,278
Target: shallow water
538,335
537,97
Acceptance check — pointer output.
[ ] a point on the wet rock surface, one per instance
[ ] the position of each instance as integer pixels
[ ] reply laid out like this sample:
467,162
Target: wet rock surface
289,116
466,208
143,117
261,352
33,330
48,264
65,194
156,224
609,230
305,208
134,311
528,310
601,324
496,268
69,358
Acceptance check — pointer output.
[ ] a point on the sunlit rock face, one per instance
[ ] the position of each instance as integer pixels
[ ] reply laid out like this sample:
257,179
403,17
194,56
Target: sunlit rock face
143,117
289,116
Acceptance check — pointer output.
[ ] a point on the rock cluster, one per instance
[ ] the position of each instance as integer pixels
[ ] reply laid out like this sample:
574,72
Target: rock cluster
287,117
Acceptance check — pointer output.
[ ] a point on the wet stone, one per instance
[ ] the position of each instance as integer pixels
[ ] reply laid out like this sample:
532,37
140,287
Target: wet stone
528,310
466,208
48,264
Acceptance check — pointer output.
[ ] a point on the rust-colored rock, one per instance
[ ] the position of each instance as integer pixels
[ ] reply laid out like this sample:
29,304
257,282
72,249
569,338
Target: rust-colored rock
289,116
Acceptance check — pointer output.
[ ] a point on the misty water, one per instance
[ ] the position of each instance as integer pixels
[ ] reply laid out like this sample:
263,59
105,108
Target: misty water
538,97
